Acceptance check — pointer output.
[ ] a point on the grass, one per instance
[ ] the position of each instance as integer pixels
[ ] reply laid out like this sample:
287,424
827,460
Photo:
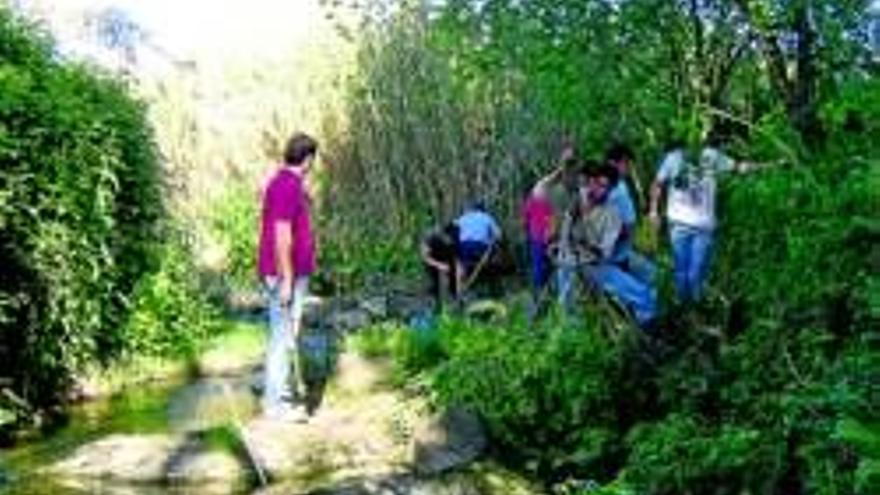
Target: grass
240,347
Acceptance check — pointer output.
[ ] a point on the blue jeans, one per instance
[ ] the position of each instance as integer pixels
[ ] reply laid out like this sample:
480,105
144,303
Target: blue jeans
636,264
641,267
284,327
540,264
470,253
639,296
691,252
565,276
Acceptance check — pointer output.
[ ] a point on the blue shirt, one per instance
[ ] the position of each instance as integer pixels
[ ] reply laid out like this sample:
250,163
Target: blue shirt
621,200
477,226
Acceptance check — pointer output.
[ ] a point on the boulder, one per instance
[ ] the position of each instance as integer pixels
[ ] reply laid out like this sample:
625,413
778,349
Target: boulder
128,458
377,307
348,320
448,440
209,469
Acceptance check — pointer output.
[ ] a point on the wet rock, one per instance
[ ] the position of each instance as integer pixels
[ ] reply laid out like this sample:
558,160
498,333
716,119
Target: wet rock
405,306
451,439
348,436
211,402
348,320
129,458
210,469
377,307
405,484
245,301
477,479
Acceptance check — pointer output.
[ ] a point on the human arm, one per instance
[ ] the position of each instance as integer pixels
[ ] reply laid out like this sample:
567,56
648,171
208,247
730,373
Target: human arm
726,163
748,166
566,154
669,167
543,185
283,248
654,208
429,260
610,229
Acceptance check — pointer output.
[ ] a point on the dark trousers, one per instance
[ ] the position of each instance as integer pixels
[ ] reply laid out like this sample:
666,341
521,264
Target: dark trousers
435,279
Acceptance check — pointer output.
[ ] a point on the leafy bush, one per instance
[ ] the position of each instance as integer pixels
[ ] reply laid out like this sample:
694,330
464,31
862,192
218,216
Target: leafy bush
678,455
170,315
530,385
545,393
83,220
782,402
234,221
865,439
415,350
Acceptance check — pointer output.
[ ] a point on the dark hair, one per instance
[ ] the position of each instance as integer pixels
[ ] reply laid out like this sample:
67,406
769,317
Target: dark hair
476,205
719,134
608,171
673,144
451,231
299,147
619,152
588,167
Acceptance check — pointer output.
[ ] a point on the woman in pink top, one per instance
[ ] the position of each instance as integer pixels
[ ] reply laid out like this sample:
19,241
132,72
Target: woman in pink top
538,213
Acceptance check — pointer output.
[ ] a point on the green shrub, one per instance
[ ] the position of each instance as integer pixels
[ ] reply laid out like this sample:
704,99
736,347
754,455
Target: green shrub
234,222
414,350
864,437
772,406
546,393
82,216
170,315
678,455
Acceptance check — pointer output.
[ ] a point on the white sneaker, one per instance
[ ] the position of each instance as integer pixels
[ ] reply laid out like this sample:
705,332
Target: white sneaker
287,413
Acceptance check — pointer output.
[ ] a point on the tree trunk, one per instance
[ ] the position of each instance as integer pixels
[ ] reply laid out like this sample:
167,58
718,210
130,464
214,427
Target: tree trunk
802,102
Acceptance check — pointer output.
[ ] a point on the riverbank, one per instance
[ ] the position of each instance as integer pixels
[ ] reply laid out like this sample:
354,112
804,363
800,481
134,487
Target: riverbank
194,428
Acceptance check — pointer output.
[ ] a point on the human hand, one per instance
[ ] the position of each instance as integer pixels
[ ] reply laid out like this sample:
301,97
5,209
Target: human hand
567,153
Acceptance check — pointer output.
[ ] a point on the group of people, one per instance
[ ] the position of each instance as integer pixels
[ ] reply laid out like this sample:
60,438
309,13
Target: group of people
579,220
590,237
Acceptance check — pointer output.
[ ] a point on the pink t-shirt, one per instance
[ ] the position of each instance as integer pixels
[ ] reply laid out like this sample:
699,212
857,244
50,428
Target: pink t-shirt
285,199
538,216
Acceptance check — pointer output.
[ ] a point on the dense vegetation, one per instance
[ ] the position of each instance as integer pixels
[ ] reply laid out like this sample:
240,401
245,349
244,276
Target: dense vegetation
472,98
768,387
93,269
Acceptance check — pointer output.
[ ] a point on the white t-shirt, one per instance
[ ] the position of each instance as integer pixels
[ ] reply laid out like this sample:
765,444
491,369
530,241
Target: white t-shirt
477,226
693,187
